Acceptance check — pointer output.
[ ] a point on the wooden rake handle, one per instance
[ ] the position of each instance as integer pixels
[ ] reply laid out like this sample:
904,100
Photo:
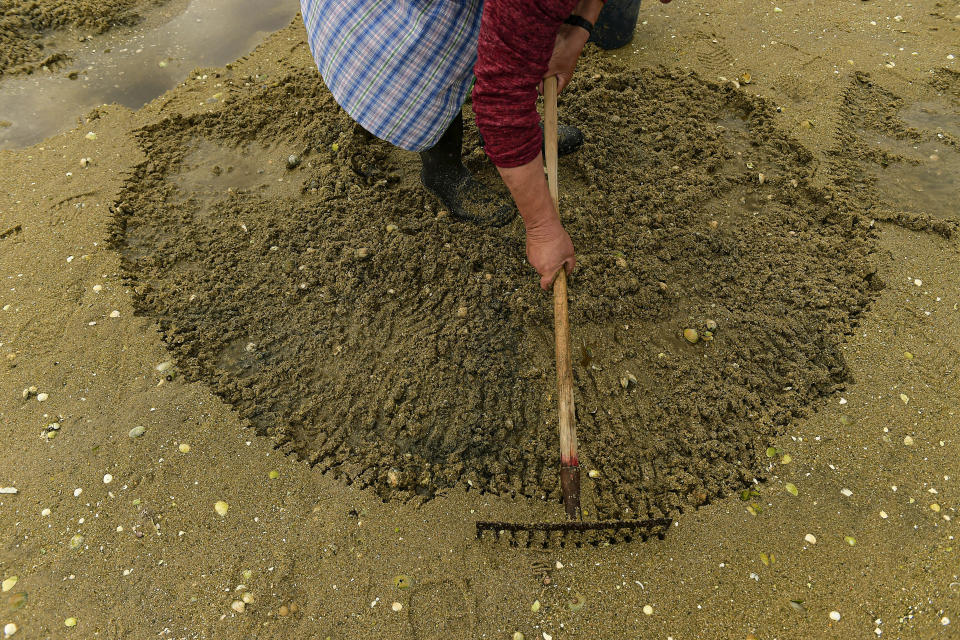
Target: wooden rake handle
569,466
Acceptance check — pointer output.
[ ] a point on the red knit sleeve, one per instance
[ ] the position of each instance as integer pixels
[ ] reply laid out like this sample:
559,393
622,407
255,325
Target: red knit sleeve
516,42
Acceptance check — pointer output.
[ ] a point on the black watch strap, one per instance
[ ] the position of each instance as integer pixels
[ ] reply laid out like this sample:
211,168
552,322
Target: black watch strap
579,21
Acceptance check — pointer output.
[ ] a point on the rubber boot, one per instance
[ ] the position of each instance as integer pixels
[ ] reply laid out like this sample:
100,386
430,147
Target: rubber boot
446,177
569,139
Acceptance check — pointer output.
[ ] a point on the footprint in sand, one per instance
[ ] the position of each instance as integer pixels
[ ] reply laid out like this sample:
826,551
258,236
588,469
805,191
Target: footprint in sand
441,610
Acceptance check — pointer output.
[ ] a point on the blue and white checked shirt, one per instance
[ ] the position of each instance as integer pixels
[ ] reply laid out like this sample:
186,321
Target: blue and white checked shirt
400,68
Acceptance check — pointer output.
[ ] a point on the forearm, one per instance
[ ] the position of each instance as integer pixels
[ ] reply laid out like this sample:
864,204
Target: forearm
528,185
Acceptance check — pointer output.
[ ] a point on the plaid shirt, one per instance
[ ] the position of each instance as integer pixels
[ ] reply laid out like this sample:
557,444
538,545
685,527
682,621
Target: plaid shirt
401,68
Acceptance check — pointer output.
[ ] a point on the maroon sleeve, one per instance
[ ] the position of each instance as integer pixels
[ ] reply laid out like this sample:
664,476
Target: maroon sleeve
516,42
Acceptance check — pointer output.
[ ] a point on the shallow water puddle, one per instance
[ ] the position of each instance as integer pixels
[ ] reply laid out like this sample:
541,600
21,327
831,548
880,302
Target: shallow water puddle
134,70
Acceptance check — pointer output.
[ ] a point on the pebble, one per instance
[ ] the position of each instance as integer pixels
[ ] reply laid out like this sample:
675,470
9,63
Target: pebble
691,335
76,541
138,431
9,629
45,512
221,507
292,161
107,478
935,507
396,606
834,615
812,539
85,162
462,312
90,135
97,288
274,474
77,492
711,325
9,583
647,610
43,397
846,492
163,366
238,606
247,598
283,611
518,636
363,253
907,440
10,490
622,263
184,447
115,313
70,622
535,606
593,473
904,398
391,228
883,514
918,282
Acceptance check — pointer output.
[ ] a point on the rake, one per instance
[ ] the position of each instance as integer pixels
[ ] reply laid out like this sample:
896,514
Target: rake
557,533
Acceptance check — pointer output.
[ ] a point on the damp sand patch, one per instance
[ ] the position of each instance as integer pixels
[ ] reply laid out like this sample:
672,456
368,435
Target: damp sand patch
382,342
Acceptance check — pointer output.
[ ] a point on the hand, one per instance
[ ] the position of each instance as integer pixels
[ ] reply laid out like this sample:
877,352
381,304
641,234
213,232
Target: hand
548,249
566,50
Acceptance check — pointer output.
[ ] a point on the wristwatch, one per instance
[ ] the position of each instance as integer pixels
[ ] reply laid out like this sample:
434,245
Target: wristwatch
579,21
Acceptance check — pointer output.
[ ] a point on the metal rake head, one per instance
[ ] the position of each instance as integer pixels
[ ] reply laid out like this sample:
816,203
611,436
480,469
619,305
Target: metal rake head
575,533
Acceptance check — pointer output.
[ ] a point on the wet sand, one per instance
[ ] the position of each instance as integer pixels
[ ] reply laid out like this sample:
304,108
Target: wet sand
872,460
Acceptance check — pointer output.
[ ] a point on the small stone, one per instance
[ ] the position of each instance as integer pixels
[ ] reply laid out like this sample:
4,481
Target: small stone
76,541
835,615
396,606
462,312
9,629
43,397
710,324
137,431
391,228
247,598
90,135
274,474
622,263
163,366
850,540
45,512
184,447
846,492
935,507
812,539
908,355
904,398
363,253
918,282
9,583
70,622
761,178
77,492
107,478
293,161
691,335
10,490
647,610
883,514
593,473
239,606
786,459
535,606
97,288
908,440
791,489
221,508
518,636
944,620
283,611
115,313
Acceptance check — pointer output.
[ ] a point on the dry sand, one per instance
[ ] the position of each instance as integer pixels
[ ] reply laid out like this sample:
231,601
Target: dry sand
852,272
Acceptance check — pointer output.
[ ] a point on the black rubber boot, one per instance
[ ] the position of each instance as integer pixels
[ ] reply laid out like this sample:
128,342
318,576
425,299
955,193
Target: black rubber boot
446,177
569,139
